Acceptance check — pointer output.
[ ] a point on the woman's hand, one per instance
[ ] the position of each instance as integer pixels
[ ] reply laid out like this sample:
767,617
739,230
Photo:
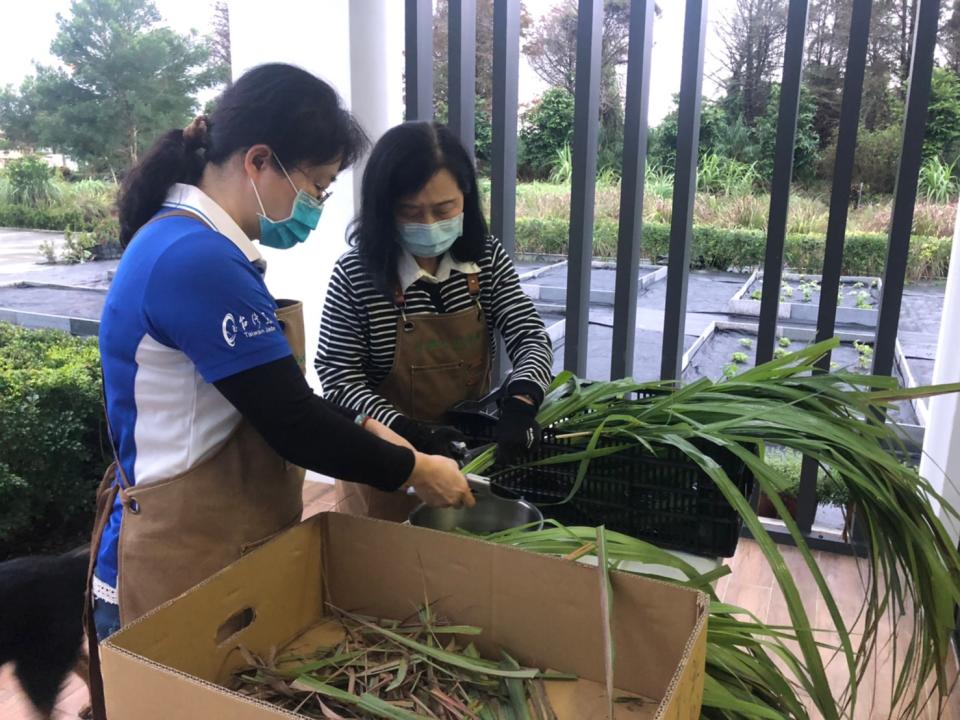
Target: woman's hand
438,482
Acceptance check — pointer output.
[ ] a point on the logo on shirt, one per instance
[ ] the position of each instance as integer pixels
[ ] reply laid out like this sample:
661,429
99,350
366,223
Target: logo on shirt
257,324
229,328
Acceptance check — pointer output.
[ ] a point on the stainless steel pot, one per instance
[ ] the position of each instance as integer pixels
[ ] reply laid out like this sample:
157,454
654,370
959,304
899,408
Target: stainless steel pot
491,514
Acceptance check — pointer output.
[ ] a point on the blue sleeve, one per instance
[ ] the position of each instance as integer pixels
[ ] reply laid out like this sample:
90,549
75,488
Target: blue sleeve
207,300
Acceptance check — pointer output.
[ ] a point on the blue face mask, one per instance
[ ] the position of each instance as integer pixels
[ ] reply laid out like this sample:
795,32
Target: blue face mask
303,218
433,240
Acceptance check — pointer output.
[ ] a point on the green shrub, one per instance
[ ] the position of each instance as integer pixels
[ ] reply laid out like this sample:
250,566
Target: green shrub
43,218
721,248
50,432
937,181
30,181
546,129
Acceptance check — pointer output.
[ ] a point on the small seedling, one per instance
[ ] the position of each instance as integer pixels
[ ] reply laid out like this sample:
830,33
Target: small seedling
807,294
739,357
858,285
746,342
784,342
786,291
863,300
779,353
756,295
834,364
875,283
729,371
864,354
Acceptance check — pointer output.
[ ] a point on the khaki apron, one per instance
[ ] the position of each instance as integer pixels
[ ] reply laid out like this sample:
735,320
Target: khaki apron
179,531
439,361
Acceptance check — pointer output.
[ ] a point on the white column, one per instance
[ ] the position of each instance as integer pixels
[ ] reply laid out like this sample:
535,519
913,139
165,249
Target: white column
376,58
316,37
941,445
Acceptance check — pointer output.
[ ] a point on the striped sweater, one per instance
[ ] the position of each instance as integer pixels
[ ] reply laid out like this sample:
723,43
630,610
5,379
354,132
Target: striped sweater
358,329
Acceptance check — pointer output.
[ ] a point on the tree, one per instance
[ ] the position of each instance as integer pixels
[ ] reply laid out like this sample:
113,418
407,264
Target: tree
752,36
219,42
124,80
950,35
484,55
547,128
551,49
943,124
806,147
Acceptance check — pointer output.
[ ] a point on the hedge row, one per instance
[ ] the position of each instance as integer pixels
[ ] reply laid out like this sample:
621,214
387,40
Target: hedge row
723,249
46,218
51,434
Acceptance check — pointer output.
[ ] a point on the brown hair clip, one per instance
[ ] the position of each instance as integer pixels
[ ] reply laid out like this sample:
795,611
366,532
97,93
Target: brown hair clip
195,134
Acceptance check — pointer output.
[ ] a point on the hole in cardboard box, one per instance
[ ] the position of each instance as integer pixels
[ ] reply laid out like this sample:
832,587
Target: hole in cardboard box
234,624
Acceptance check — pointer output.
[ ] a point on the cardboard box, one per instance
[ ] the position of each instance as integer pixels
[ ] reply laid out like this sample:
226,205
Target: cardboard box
173,662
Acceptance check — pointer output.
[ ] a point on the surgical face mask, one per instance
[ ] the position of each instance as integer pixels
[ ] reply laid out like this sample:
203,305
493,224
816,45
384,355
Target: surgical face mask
431,240
304,216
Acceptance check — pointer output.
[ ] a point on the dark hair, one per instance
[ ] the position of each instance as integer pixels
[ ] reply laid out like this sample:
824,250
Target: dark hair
297,114
401,163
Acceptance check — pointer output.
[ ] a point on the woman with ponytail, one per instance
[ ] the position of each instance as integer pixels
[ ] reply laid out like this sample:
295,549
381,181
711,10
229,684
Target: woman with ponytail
210,416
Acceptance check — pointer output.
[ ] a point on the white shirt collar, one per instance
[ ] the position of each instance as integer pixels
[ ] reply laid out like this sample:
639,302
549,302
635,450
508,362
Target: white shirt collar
408,271
192,198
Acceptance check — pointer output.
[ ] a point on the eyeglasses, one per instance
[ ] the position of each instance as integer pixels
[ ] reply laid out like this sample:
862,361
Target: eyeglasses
324,196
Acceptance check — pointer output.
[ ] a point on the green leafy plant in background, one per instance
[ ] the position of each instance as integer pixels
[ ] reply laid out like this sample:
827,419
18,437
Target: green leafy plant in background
739,357
78,247
562,166
864,354
756,295
938,182
30,181
783,342
746,342
913,581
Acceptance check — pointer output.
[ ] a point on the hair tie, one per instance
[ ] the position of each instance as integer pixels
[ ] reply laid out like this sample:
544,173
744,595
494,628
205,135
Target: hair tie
196,134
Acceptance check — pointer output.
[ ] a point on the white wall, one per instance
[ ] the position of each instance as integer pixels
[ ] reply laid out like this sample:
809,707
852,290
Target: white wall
941,446
317,37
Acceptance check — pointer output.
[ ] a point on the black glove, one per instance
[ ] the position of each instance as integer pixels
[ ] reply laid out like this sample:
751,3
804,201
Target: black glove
518,431
432,439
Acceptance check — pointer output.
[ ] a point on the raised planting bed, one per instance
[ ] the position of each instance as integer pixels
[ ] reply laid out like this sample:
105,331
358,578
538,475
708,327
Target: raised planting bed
858,301
728,348
548,286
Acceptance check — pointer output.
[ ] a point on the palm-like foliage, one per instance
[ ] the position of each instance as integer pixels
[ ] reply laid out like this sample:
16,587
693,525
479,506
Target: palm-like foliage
837,419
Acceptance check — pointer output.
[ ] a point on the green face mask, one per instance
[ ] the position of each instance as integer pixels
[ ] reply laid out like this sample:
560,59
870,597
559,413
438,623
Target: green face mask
294,229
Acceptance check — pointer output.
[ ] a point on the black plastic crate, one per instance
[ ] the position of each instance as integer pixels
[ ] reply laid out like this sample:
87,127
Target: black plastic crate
663,498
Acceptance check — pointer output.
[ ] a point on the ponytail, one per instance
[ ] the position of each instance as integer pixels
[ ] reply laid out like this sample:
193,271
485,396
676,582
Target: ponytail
177,157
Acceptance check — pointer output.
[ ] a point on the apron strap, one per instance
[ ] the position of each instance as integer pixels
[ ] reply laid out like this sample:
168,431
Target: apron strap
473,284
125,483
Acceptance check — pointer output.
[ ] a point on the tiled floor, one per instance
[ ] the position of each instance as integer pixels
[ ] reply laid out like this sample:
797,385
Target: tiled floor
750,585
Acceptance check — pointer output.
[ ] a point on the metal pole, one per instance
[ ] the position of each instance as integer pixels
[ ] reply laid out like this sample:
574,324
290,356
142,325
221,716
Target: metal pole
837,224
905,192
782,177
462,71
684,188
632,188
418,26
583,183
503,171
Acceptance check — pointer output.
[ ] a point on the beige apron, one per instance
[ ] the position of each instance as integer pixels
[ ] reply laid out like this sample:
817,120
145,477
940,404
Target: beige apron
177,532
439,361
